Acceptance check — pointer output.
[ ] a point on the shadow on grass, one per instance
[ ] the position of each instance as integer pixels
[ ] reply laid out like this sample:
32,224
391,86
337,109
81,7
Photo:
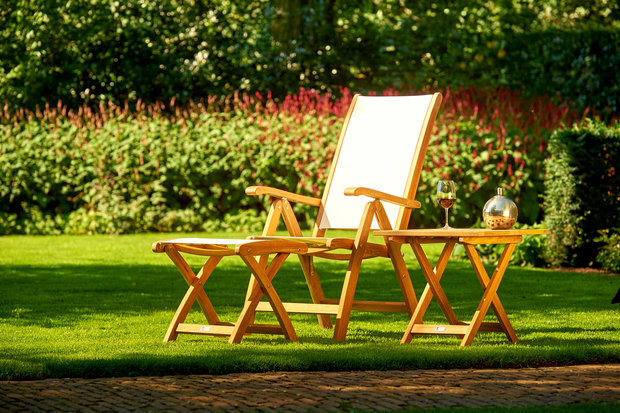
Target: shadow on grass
37,294
63,296
34,294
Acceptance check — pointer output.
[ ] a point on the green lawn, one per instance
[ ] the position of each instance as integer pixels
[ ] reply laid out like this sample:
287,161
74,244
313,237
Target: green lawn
94,306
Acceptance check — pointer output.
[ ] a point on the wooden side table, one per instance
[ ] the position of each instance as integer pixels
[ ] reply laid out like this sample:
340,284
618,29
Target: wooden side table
469,238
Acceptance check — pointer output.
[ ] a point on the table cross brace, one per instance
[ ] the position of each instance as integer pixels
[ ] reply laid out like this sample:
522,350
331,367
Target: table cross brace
466,331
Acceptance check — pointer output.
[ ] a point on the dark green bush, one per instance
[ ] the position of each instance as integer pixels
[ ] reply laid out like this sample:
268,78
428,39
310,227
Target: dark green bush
579,64
582,194
609,253
87,51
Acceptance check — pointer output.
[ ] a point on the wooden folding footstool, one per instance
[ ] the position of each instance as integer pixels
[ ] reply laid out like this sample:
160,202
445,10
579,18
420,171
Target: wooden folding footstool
216,249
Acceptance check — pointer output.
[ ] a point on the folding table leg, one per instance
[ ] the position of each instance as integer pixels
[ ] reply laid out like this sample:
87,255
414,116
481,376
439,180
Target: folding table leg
427,294
432,278
496,304
490,294
264,286
194,292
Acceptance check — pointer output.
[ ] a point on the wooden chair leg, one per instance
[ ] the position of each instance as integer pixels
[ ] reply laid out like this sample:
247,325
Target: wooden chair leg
402,276
398,262
316,290
307,264
350,282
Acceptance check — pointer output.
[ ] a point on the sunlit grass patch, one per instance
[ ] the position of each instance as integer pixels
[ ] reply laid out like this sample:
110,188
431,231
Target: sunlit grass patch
92,306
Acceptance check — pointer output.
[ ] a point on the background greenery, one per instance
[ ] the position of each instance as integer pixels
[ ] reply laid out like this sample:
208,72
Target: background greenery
186,168
89,51
153,115
147,115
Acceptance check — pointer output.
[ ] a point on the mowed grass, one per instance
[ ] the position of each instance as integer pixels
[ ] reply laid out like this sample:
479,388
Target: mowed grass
97,306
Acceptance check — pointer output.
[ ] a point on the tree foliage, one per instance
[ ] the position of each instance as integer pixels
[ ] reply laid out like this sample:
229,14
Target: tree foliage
87,51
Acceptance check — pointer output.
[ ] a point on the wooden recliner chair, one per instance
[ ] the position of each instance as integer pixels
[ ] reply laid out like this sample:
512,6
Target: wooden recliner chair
371,185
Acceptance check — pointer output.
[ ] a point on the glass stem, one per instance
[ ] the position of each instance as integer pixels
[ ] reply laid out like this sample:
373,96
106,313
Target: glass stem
446,216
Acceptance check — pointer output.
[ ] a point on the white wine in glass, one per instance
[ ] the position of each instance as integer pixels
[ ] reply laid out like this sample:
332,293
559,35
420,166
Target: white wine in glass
446,196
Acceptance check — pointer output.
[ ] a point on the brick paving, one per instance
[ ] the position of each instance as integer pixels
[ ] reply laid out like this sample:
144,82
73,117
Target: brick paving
319,391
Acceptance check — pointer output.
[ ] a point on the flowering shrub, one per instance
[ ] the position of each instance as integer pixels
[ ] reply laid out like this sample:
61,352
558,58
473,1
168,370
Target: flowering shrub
164,167
160,168
486,139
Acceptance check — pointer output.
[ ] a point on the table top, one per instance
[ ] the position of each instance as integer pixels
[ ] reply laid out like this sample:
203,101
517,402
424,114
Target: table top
459,232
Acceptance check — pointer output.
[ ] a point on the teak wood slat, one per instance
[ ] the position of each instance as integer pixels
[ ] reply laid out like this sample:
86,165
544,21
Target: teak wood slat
376,306
302,308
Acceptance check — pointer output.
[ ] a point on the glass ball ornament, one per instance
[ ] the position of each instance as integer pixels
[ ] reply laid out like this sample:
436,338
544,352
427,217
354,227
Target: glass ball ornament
500,212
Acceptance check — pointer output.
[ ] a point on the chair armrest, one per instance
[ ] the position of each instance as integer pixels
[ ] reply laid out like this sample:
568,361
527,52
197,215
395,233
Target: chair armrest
278,193
398,200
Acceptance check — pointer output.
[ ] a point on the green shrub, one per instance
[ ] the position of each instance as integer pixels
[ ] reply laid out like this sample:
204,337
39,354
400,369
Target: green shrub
609,253
87,51
582,191
117,172
487,139
185,168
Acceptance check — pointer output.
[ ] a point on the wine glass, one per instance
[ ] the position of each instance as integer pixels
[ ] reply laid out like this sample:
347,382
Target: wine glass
446,196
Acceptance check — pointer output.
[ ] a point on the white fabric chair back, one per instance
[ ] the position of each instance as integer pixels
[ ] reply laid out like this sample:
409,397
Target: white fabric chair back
382,144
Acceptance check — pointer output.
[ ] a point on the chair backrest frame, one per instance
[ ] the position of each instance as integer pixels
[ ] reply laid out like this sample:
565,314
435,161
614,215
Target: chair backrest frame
413,146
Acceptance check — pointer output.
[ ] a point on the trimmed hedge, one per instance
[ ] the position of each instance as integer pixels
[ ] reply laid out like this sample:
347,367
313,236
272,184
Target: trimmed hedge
582,194
171,168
